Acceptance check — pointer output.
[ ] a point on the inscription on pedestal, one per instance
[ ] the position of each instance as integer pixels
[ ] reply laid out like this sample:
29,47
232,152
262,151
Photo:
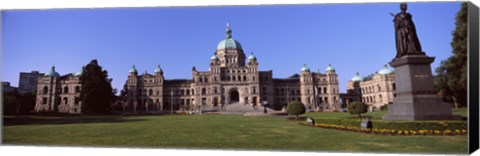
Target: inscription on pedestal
421,77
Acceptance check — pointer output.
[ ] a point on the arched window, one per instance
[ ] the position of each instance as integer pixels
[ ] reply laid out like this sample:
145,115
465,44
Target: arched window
325,90
45,90
65,89
204,91
215,90
188,92
150,92
244,78
233,78
77,89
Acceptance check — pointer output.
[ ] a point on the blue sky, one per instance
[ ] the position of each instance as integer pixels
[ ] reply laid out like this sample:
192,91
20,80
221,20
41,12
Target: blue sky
351,37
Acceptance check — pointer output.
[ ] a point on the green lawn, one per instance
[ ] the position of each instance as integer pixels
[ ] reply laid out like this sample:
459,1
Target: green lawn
213,132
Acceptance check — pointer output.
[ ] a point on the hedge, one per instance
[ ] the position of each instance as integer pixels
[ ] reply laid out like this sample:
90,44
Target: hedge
400,125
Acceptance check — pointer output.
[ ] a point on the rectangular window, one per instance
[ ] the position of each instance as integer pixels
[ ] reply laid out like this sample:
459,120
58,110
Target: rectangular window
77,100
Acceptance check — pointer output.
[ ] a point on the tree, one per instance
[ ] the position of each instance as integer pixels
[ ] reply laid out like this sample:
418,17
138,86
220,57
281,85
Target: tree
10,102
357,108
97,94
451,79
26,103
16,103
295,108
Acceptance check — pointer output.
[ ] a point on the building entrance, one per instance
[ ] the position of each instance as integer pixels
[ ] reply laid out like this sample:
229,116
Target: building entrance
234,97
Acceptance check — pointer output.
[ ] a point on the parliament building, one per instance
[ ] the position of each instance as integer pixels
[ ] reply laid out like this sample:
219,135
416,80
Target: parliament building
232,79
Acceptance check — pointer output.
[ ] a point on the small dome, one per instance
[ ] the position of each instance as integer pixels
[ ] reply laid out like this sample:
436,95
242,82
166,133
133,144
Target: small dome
158,69
357,77
133,70
214,58
52,73
305,68
229,42
385,70
252,57
330,68
80,72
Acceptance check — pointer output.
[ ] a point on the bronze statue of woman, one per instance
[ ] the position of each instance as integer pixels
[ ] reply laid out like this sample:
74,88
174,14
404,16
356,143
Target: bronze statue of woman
405,33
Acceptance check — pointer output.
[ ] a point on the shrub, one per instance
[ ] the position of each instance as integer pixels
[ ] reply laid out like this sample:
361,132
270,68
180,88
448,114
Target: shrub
384,107
357,108
295,108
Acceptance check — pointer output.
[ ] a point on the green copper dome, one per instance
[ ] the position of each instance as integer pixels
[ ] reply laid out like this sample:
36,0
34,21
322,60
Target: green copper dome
357,77
329,68
385,70
305,68
80,72
52,73
229,42
214,58
158,69
133,70
252,57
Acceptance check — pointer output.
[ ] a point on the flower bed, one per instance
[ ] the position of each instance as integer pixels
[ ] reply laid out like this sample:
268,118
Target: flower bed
408,128
400,125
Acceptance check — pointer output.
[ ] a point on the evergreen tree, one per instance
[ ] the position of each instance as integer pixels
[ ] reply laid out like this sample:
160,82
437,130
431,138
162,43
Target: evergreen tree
357,108
295,108
97,94
451,79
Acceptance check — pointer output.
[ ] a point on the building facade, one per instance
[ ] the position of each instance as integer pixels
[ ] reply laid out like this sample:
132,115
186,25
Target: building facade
57,93
376,90
7,88
28,82
232,79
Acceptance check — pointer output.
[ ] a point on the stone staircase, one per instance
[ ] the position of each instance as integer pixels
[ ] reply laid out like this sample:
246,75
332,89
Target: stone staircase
240,107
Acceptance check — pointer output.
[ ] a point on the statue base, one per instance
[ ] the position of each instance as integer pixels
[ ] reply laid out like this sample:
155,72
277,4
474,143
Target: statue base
416,97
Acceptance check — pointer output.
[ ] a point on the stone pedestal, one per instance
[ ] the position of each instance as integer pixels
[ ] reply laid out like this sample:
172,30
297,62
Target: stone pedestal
416,97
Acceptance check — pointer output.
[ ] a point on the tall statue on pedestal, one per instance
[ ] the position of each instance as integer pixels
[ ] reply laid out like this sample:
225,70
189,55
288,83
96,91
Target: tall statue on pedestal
405,33
416,97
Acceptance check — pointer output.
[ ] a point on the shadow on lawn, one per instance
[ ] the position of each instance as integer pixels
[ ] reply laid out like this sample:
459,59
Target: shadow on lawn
63,119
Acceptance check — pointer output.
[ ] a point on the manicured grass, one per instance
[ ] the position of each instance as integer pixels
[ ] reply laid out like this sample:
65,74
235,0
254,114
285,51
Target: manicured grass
213,132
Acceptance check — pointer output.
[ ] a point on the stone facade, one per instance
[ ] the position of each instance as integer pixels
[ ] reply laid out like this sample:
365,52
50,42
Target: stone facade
28,82
231,79
7,88
57,93
376,90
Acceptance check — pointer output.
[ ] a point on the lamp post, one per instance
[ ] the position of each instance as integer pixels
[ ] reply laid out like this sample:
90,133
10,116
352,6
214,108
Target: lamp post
315,90
265,104
288,96
201,101
171,105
